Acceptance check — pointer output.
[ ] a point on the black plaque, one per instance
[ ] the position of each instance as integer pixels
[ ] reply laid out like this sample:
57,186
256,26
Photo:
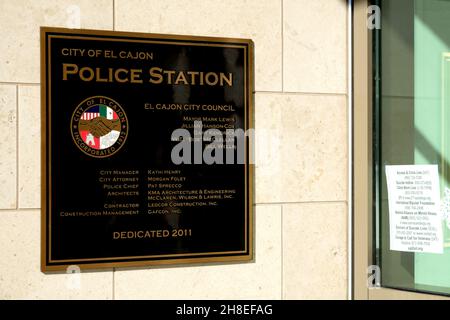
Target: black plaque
119,187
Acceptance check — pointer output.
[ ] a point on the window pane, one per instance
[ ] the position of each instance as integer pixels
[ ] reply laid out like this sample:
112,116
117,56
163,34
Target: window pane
412,124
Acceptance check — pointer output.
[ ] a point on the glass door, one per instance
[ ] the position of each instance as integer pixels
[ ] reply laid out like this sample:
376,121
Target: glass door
411,145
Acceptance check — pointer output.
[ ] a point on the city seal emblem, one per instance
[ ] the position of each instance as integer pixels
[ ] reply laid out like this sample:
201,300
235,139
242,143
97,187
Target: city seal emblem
99,126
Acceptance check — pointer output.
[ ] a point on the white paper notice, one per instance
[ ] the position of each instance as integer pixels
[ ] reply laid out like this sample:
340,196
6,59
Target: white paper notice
415,222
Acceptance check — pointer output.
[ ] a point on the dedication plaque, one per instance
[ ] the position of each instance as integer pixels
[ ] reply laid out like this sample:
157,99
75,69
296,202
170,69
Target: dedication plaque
146,149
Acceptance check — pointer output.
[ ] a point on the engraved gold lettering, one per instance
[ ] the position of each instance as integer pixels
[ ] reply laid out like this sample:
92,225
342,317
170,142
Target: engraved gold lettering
136,76
90,74
156,75
116,75
181,78
155,72
73,69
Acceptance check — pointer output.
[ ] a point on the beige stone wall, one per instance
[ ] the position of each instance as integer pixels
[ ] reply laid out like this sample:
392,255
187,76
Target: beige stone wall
301,147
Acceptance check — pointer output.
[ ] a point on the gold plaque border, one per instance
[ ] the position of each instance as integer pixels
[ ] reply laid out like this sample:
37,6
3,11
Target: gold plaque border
246,255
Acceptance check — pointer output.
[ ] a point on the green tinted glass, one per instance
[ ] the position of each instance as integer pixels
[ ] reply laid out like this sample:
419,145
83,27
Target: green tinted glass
412,124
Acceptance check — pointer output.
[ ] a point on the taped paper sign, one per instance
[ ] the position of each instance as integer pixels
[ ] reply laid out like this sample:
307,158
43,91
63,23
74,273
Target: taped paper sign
415,223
